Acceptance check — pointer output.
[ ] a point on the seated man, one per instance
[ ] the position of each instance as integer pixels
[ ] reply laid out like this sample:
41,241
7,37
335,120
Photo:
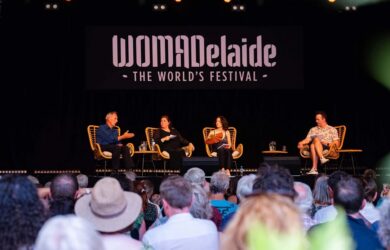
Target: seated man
321,137
109,139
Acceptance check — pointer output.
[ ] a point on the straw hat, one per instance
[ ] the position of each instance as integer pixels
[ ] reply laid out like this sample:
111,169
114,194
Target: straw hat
108,207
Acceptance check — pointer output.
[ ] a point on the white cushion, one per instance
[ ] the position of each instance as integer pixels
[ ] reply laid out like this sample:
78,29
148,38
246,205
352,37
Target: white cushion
235,153
165,154
214,154
107,154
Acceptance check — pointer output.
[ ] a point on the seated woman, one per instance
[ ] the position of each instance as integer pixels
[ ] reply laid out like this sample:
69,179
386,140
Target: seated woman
221,143
170,140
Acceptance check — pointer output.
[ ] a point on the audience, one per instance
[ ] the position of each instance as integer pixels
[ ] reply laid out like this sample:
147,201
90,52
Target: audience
113,217
68,233
21,213
182,230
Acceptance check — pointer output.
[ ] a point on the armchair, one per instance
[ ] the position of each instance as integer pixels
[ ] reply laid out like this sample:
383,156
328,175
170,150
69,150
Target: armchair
162,155
332,153
96,149
237,150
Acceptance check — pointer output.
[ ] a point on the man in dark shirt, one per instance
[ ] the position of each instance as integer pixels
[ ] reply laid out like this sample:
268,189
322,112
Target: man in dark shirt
109,139
349,195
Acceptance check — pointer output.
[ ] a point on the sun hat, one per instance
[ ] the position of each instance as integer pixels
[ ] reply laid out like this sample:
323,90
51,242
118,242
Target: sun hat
108,207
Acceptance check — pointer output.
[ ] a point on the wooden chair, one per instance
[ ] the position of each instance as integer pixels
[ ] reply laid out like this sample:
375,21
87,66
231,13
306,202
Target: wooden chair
98,154
332,153
237,150
161,155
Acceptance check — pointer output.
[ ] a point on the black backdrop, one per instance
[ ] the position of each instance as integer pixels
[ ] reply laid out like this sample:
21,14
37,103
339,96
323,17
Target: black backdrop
46,106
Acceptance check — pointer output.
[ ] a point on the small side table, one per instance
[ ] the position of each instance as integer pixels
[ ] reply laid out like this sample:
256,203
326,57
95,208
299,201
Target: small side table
273,152
143,153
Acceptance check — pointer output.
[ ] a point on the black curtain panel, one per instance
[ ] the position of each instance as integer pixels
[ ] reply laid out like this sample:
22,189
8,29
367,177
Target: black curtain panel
46,105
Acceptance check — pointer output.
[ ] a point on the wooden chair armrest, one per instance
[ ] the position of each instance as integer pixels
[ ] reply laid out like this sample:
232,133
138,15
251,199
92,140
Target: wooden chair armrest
240,149
189,150
131,148
157,148
99,153
305,147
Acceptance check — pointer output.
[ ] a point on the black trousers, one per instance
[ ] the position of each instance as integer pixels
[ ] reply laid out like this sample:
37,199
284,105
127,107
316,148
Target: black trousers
117,151
175,161
225,157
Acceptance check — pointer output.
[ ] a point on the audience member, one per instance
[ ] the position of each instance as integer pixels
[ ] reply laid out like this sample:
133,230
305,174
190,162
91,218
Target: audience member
82,180
245,186
218,186
370,212
349,195
321,194
112,211
274,180
200,207
274,212
304,201
384,224
21,213
131,175
63,192
196,176
182,230
34,180
329,213
68,233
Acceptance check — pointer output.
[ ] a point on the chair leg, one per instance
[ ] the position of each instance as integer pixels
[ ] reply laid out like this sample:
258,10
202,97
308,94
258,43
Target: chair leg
165,166
105,167
353,164
235,164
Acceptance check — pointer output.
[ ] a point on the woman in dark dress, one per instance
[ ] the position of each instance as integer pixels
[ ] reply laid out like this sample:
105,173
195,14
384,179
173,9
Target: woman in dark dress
222,144
170,141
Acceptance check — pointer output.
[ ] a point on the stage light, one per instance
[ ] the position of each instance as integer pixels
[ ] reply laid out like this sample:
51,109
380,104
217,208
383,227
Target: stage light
227,1
331,1
238,7
159,7
52,6
178,1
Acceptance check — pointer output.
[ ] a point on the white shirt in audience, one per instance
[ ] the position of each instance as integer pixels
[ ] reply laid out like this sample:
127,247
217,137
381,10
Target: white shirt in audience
325,214
120,242
370,212
183,231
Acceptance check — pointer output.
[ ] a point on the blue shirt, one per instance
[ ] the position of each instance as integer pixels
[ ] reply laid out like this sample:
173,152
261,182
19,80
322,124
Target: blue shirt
364,237
106,135
226,208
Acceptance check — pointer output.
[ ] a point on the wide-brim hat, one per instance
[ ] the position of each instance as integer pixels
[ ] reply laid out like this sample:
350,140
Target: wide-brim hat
108,207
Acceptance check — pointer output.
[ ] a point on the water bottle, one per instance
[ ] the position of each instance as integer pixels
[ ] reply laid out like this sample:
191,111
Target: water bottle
153,143
241,170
